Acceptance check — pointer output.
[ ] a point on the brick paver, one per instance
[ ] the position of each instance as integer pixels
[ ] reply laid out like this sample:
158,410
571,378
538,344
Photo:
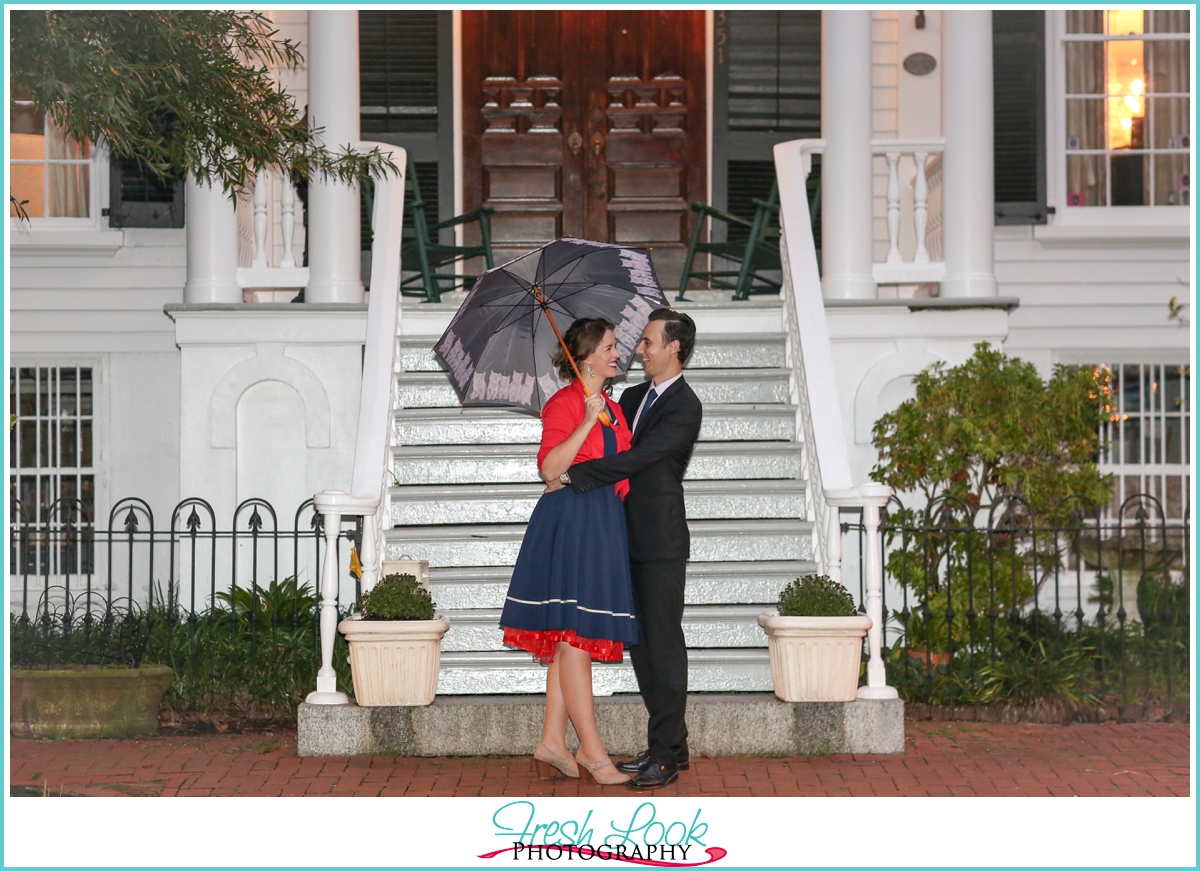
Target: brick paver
946,759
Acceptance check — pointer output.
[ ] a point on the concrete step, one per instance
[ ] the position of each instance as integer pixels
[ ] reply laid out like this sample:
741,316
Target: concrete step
713,670
433,389
724,724
483,426
482,464
498,545
714,583
714,351
441,504
704,626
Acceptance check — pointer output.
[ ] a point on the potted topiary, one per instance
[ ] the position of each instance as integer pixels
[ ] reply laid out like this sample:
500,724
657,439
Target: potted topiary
395,644
815,640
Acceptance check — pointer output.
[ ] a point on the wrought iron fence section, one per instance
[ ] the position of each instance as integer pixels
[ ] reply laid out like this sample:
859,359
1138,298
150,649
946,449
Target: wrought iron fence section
1081,601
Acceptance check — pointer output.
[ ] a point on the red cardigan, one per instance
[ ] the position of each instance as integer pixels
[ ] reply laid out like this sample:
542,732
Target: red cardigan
564,412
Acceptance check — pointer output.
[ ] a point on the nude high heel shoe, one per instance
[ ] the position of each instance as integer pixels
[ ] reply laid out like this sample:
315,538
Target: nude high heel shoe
602,771
550,765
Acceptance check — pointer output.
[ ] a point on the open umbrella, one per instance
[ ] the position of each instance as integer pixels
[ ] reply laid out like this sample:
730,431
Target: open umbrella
499,344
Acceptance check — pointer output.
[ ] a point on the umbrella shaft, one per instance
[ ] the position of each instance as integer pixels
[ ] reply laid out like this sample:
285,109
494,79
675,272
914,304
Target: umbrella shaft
604,417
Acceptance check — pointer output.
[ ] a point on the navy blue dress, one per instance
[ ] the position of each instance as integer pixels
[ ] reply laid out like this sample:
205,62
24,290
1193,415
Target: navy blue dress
571,581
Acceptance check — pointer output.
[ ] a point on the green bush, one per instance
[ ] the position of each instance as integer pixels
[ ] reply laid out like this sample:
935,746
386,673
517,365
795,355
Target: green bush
397,597
816,596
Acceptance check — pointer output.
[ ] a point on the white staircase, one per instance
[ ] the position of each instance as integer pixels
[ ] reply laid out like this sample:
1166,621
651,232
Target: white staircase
466,482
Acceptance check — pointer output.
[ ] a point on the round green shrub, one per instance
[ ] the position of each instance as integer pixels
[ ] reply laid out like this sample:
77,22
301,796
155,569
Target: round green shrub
816,596
397,597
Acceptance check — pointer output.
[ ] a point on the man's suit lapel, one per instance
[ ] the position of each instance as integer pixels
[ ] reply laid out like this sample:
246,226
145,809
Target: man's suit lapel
654,412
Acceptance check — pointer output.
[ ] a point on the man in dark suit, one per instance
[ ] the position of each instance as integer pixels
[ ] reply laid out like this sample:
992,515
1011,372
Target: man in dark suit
665,417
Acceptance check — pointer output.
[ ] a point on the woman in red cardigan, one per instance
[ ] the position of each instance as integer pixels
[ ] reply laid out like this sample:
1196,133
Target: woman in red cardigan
571,599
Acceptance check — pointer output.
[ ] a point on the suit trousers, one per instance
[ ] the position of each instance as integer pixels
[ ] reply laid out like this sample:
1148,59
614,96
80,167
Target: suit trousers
660,656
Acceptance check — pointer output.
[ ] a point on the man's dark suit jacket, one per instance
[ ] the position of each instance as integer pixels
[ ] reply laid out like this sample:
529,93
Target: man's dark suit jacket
662,446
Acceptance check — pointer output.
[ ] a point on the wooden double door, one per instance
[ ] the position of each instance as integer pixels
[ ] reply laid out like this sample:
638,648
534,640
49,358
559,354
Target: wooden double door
587,124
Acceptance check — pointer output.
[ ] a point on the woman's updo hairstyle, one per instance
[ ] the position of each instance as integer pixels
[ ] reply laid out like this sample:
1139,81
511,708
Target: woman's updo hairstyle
582,339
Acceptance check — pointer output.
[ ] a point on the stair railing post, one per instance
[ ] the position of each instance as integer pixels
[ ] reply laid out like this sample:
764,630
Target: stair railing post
833,546
326,692
873,497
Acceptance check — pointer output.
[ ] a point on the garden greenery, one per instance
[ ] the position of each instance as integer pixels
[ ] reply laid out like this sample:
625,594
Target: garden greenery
397,597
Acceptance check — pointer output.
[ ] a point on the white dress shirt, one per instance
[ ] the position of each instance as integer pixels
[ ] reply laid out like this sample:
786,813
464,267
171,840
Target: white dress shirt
659,390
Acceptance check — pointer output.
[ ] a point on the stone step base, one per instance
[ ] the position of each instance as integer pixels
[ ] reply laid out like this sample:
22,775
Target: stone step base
755,724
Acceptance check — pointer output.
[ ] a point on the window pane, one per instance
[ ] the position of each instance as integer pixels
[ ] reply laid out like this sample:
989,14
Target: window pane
66,397
27,139
1130,182
46,452
1168,67
1174,439
69,185
1172,180
1126,122
28,408
1170,122
1085,67
43,391
85,391
1126,67
67,445
1172,21
1085,21
1085,125
1122,22
60,146
29,187
1131,389
1133,439
28,443
1173,397
85,444
1086,182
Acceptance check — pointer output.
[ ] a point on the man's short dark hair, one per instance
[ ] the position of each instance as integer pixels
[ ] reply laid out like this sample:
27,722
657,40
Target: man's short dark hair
677,327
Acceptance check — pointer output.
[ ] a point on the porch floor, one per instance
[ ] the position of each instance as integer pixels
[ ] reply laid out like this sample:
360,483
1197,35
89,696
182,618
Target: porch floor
941,759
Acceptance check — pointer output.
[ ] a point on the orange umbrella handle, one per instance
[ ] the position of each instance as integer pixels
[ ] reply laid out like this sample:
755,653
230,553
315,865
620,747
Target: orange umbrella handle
604,416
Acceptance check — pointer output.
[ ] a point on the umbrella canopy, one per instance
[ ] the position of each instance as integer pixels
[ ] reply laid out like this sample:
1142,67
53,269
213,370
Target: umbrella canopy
499,345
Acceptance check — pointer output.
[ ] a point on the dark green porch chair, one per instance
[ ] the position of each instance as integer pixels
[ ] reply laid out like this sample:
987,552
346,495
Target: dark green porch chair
750,259
422,249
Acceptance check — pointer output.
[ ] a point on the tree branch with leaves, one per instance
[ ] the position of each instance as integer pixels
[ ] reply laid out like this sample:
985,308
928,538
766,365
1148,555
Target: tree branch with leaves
182,91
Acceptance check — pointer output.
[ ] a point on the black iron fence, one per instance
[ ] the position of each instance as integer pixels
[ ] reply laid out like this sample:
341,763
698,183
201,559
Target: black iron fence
1079,603
232,608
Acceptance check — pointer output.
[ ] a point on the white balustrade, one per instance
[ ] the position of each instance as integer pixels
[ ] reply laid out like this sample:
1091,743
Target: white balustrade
830,485
372,475
924,216
267,225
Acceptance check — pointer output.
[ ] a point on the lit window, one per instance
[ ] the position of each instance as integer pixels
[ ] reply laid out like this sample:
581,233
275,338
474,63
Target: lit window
1128,104
51,174
52,481
1146,436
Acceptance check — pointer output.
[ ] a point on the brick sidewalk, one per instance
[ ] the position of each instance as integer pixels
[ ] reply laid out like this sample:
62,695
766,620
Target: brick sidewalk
941,759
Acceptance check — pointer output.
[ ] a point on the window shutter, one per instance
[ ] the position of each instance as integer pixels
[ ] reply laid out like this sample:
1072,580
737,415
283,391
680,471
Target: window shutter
398,71
1019,87
139,198
775,72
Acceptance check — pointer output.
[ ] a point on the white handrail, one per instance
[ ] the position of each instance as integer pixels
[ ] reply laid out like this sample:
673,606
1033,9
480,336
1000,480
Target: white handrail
371,477
830,485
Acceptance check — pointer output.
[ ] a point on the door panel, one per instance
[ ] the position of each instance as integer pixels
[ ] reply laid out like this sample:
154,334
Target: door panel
585,123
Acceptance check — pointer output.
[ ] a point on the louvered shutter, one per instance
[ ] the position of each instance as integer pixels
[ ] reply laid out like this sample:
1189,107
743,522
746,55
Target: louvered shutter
1019,87
398,71
139,198
775,72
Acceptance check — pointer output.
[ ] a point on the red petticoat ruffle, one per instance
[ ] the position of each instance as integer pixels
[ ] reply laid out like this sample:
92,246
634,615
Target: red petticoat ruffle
542,643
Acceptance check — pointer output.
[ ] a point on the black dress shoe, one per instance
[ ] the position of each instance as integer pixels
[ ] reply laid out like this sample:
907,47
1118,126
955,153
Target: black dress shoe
633,766
654,776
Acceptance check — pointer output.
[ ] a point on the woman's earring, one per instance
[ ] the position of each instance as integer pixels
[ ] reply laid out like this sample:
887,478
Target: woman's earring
588,366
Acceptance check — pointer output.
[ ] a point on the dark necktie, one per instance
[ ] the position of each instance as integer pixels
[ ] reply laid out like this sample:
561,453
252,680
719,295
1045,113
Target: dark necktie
650,397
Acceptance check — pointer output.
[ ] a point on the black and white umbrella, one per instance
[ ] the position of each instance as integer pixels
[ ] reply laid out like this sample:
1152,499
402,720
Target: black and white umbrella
499,345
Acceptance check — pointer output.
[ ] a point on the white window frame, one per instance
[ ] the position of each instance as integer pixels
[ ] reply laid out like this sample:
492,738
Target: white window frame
97,198
1056,164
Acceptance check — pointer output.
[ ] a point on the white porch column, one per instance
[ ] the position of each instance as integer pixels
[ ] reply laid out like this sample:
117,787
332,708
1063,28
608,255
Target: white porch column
968,204
846,253
212,244
334,255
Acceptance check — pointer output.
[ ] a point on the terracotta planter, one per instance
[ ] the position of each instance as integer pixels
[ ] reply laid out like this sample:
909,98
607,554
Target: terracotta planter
87,701
394,662
815,659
